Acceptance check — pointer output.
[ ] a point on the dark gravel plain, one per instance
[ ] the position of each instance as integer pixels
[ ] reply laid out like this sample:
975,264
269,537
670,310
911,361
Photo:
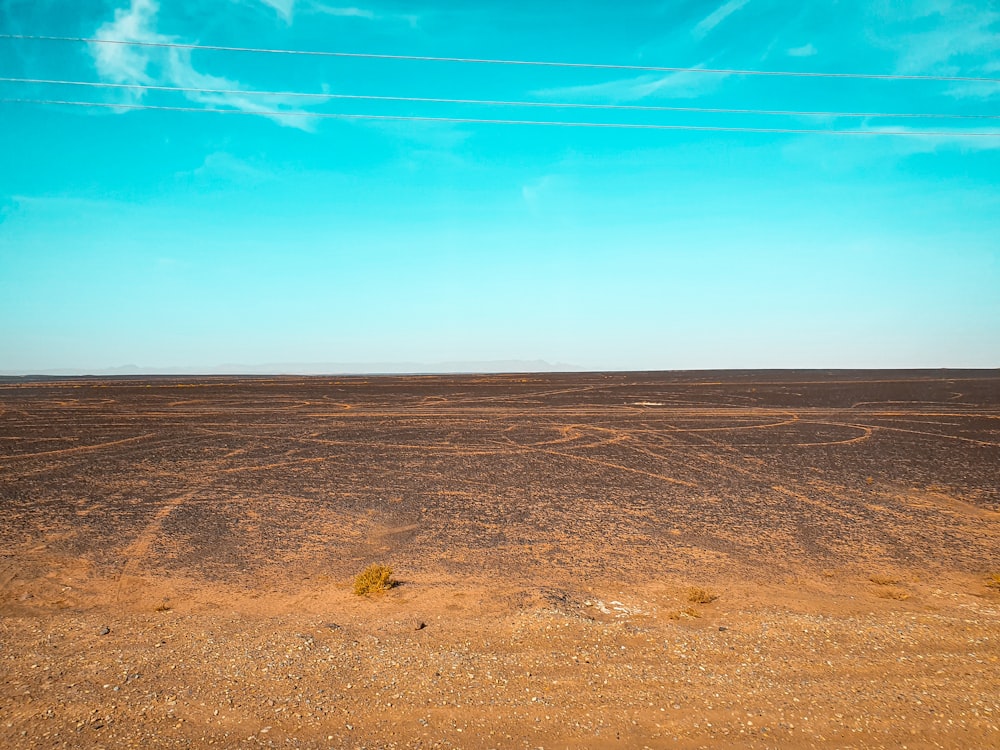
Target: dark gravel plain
544,528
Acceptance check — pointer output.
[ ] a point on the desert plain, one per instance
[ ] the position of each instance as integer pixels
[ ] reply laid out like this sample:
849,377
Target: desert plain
802,559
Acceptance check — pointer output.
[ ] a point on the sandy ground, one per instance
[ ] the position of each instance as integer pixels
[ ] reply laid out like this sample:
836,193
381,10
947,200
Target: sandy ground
177,558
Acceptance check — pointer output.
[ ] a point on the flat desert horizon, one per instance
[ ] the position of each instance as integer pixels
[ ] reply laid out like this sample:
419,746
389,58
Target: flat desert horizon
801,559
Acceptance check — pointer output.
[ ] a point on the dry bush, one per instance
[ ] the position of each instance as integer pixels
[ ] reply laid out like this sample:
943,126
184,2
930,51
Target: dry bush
883,580
891,593
686,612
375,579
701,596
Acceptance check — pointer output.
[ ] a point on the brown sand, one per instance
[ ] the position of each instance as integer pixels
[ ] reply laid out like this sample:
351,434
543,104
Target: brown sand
177,560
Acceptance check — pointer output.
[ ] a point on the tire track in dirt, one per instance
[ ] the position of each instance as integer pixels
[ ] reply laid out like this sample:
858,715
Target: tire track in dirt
572,436
940,435
72,461
619,467
618,437
802,498
757,475
865,429
79,448
794,419
139,548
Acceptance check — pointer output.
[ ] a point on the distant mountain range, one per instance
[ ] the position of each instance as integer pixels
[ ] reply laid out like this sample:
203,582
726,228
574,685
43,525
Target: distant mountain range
318,368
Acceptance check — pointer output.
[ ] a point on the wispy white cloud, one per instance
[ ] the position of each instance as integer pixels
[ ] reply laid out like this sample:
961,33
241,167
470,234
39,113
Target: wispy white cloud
924,51
121,63
354,11
857,155
974,90
180,72
284,8
427,137
848,153
680,85
341,11
913,9
806,50
956,139
717,16
288,9
223,167
963,37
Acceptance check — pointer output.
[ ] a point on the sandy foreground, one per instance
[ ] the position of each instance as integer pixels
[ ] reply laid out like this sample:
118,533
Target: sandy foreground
177,559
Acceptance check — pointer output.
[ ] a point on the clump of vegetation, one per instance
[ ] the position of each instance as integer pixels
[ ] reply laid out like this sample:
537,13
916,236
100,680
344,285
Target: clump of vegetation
993,580
891,593
375,579
883,580
700,596
686,612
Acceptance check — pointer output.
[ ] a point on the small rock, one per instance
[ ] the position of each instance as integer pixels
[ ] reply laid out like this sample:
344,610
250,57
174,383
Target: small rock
104,631
723,628
333,626
419,625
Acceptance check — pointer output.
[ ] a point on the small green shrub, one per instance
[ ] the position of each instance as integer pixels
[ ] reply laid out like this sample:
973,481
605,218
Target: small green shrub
375,579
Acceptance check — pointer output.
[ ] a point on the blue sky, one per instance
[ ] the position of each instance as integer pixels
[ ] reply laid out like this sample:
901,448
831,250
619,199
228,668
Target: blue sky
188,239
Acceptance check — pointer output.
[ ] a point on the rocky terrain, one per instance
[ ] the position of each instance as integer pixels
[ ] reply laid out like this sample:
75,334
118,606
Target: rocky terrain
747,559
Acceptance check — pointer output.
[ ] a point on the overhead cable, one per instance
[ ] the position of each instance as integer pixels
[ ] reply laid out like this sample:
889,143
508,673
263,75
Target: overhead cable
492,61
497,121
496,102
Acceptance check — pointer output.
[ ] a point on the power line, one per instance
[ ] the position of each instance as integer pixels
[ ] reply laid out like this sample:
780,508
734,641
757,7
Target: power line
493,121
496,102
489,61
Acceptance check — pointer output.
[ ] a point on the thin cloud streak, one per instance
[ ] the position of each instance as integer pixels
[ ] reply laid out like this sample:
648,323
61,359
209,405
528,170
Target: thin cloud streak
964,32
718,16
120,63
288,9
965,39
342,12
924,144
284,8
682,85
806,50
357,12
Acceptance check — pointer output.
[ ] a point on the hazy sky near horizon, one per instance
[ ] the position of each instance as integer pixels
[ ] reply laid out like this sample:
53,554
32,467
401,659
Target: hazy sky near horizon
191,239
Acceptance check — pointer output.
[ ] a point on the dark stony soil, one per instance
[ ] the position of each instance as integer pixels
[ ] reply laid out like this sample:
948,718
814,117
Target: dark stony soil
176,559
